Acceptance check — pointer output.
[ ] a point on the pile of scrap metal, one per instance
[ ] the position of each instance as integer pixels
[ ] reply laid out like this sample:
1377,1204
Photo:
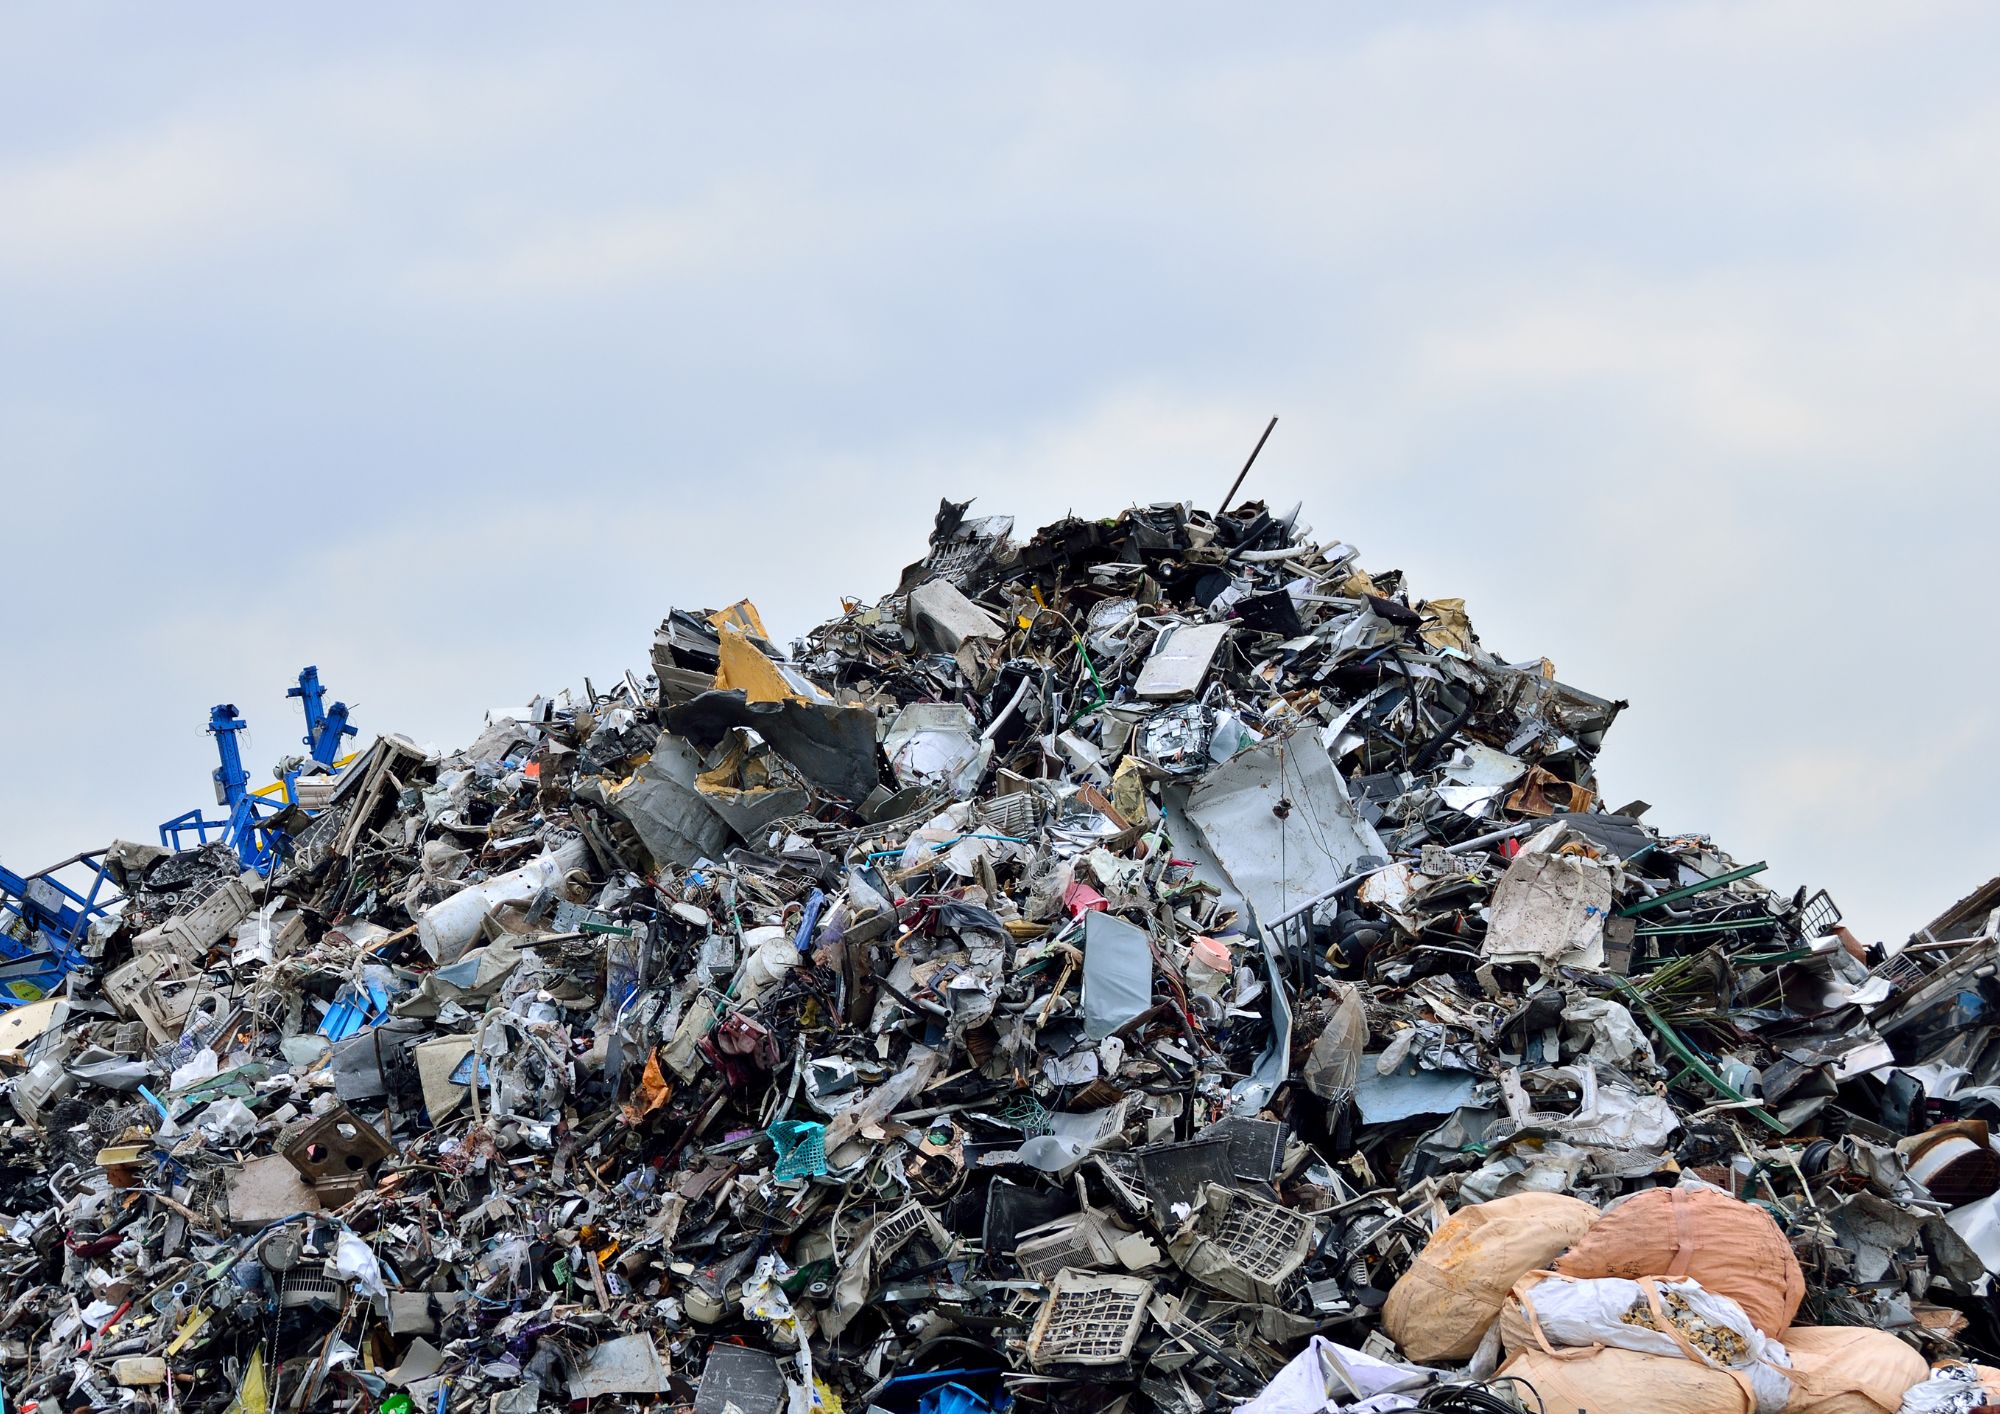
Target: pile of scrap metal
1086,978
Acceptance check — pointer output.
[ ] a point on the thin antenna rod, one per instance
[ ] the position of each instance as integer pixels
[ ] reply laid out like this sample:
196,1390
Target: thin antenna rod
1237,485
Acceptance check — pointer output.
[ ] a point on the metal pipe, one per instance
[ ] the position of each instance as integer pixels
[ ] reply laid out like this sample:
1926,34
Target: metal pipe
1519,827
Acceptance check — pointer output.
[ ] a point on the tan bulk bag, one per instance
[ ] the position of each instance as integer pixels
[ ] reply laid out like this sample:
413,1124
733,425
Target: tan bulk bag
1610,1381
1850,1370
1442,1306
1554,1315
1732,1248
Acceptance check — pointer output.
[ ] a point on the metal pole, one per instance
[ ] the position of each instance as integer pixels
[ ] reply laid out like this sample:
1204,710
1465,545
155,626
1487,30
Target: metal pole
1237,484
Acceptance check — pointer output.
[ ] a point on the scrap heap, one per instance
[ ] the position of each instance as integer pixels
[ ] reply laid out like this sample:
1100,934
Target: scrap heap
1084,979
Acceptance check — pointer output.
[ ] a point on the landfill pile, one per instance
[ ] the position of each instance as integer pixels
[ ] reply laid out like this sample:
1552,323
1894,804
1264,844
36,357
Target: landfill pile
1152,964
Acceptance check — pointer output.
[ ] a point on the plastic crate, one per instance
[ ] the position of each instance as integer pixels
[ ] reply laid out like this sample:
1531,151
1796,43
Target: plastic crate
801,1146
1073,1243
1266,1242
1242,1246
1089,1320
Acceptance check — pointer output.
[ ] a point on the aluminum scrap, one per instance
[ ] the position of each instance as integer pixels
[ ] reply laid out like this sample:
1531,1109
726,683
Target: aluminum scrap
1078,980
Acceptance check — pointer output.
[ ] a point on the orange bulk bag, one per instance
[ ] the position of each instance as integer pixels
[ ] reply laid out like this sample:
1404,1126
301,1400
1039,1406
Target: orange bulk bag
1732,1248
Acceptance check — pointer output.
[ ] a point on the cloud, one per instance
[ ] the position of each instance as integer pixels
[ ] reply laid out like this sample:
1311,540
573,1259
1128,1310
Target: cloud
147,199
232,168
709,236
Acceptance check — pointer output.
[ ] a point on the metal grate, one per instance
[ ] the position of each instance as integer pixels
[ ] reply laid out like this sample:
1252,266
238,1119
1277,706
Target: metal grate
1902,971
1089,1320
1818,916
302,1290
899,1226
784,1215
1014,814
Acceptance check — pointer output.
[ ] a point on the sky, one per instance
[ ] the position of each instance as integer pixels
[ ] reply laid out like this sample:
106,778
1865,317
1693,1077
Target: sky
447,347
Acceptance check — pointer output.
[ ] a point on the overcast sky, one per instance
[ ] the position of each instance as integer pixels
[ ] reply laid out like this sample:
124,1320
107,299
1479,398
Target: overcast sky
448,346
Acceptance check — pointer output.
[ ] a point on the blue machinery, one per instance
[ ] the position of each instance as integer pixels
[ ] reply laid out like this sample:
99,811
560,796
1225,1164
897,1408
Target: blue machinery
45,917
325,726
43,921
244,827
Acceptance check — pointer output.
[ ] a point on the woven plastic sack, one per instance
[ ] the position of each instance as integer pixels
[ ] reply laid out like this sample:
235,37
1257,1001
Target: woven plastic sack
1954,1387
1621,1381
1675,1319
1850,1370
1442,1306
1732,1248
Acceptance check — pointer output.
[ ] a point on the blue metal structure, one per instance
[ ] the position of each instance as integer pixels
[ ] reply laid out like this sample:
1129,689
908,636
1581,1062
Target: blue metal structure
325,726
243,828
45,918
43,923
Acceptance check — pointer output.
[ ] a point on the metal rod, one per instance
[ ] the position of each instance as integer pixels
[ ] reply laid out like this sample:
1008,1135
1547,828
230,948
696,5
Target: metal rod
1713,925
1701,886
1519,827
1237,484
1694,1062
